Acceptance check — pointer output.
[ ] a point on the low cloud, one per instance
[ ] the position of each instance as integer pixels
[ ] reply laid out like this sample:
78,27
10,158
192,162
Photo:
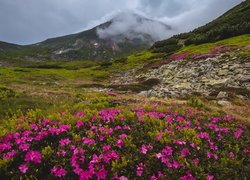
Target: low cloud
30,21
132,25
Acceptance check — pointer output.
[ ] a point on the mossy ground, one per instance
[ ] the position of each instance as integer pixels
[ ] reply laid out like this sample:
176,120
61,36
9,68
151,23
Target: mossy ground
60,85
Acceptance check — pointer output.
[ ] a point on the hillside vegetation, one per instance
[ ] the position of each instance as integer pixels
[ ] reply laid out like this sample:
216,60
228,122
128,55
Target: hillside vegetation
233,23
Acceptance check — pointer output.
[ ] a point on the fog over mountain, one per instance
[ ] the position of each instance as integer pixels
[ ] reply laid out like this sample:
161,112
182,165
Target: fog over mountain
132,26
31,21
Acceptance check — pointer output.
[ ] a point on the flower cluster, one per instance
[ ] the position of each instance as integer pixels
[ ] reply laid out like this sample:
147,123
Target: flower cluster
129,144
178,56
203,56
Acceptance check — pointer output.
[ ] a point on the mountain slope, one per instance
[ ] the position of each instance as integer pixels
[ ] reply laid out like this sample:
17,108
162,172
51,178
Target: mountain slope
234,22
124,34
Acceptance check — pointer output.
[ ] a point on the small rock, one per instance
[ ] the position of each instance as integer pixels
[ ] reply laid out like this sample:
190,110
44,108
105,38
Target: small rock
143,93
222,95
224,103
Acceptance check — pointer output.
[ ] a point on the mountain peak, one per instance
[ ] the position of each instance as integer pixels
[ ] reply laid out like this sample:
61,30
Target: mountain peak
133,26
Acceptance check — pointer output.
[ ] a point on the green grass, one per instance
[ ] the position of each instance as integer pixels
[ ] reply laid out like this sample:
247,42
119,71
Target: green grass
239,41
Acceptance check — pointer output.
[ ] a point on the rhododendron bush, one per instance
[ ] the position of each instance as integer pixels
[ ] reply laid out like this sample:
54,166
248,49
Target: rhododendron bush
127,144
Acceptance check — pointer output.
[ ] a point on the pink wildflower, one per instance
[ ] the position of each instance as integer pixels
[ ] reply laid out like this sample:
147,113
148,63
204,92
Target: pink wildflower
106,147
79,124
246,150
188,176
196,161
203,135
88,141
64,142
119,143
79,114
210,177
179,142
33,156
145,148
123,136
231,155
23,168
102,173
24,147
4,146
238,133
167,151
140,169
184,152
9,155
58,171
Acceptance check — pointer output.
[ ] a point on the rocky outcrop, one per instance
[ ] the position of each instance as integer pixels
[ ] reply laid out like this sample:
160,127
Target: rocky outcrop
218,76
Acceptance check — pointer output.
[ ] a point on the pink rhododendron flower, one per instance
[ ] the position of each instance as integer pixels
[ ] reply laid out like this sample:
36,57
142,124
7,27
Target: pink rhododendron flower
192,145
238,133
106,147
246,150
4,147
123,136
145,148
24,147
212,146
9,155
196,161
58,171
210,155
64,142
168,150
179,142
175,164
33,156
184,152
140,169
119,143
178,56
157,177
23,168
203,135
79,124
79,114
158,155
210,177
88,141
231,155
116,177
61,153
110,156
102,173
180,119
188,176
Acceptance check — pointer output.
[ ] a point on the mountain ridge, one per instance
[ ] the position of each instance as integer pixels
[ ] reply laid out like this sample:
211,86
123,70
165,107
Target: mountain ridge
89,44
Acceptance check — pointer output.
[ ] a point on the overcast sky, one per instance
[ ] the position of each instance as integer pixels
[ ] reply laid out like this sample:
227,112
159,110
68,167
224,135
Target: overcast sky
31,21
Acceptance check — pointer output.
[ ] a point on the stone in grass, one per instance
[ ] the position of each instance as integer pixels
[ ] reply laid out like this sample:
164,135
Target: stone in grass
222,95
224,103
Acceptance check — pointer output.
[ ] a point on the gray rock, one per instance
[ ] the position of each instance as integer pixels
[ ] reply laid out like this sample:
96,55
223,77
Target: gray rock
222,95
224,103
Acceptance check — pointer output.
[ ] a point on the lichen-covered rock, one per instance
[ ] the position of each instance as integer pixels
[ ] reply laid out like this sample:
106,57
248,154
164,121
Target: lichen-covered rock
187,77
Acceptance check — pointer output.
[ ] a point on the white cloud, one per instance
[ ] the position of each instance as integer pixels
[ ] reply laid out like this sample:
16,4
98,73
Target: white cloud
130,25
30,21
